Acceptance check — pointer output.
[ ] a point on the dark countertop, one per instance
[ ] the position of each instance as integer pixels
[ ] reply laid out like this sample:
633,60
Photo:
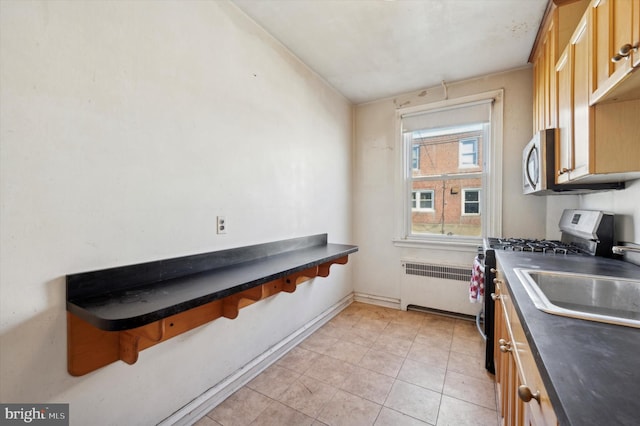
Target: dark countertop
591,370
131,296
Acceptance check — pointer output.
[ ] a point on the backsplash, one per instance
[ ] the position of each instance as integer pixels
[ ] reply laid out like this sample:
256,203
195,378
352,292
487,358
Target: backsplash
624,204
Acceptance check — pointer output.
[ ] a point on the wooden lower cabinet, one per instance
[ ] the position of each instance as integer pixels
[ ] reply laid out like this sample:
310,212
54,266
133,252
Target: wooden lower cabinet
507,377
522,398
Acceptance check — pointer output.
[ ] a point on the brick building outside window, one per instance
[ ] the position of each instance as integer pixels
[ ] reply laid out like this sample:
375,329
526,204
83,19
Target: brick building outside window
446,181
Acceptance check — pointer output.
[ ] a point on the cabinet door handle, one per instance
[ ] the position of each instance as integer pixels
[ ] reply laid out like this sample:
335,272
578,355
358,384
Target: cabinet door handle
624,52
525,394
504,346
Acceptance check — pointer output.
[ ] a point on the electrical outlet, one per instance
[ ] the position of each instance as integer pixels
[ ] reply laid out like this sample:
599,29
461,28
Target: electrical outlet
221,225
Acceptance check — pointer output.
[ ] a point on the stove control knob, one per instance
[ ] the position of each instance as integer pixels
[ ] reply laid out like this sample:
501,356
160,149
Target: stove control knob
493,270
497,281
495,296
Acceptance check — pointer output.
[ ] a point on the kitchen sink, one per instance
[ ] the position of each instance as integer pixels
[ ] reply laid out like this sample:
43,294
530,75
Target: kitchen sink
590,297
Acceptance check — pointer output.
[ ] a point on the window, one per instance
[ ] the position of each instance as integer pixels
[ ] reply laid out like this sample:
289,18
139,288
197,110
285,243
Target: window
470,201
446,161
422,200
468,153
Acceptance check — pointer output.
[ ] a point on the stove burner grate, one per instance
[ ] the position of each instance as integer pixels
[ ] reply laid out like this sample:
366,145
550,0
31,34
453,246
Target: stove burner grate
535,246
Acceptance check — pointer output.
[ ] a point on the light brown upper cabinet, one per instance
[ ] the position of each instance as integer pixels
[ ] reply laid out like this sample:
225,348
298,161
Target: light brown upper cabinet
554,34
592,100
597,143
545,103
615,42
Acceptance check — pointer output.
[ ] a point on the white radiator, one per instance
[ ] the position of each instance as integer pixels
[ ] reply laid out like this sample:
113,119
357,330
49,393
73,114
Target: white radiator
441,287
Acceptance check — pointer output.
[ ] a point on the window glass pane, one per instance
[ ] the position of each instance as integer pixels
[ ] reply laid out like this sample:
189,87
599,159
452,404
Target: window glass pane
472,208
471,201
425,200
441,204
415,159
468,152
467,147
422,198
442,152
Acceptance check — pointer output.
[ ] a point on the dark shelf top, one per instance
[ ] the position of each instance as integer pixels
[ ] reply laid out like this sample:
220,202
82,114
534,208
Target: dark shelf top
127,297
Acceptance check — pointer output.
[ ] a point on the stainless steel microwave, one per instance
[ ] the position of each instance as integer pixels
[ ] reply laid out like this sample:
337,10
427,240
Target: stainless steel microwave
539,166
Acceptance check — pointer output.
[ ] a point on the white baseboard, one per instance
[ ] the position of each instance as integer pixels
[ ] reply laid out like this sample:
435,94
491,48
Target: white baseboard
377,300
199,407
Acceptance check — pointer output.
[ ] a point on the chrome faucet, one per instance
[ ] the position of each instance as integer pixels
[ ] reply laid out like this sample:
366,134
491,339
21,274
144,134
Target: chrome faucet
622,249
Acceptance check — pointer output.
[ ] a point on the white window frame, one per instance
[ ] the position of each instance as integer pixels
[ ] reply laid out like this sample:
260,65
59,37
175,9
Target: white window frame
464,202
491,204
461,154
417,208
415,158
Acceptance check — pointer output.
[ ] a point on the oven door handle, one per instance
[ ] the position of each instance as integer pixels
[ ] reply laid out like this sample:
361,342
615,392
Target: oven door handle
478,319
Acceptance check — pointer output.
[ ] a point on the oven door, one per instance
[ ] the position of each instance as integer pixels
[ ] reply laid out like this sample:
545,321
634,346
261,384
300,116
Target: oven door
489,306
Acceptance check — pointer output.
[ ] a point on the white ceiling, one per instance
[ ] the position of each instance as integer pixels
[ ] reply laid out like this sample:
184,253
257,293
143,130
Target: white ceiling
373,49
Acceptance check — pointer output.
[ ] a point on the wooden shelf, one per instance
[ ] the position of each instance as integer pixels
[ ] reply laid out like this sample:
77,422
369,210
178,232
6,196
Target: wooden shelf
113,314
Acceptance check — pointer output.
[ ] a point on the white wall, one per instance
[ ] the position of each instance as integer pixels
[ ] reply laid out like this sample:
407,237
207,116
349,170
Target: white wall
556,204
126,127
624,204
377,267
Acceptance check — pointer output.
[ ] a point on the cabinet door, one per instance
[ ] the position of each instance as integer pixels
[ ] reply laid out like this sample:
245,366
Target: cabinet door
538,94
574,113
508,372
612,33
582,111
499,358
636,33
508,377
564,146
551,101
545,103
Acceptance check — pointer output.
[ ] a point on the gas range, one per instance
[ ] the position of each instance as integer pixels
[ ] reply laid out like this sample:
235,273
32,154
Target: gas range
583,232
531,245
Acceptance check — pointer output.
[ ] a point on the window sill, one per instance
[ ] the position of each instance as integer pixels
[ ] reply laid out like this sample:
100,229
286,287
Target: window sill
461,244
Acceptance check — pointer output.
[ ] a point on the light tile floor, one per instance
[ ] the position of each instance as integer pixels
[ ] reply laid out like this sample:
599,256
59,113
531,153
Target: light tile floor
372,365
